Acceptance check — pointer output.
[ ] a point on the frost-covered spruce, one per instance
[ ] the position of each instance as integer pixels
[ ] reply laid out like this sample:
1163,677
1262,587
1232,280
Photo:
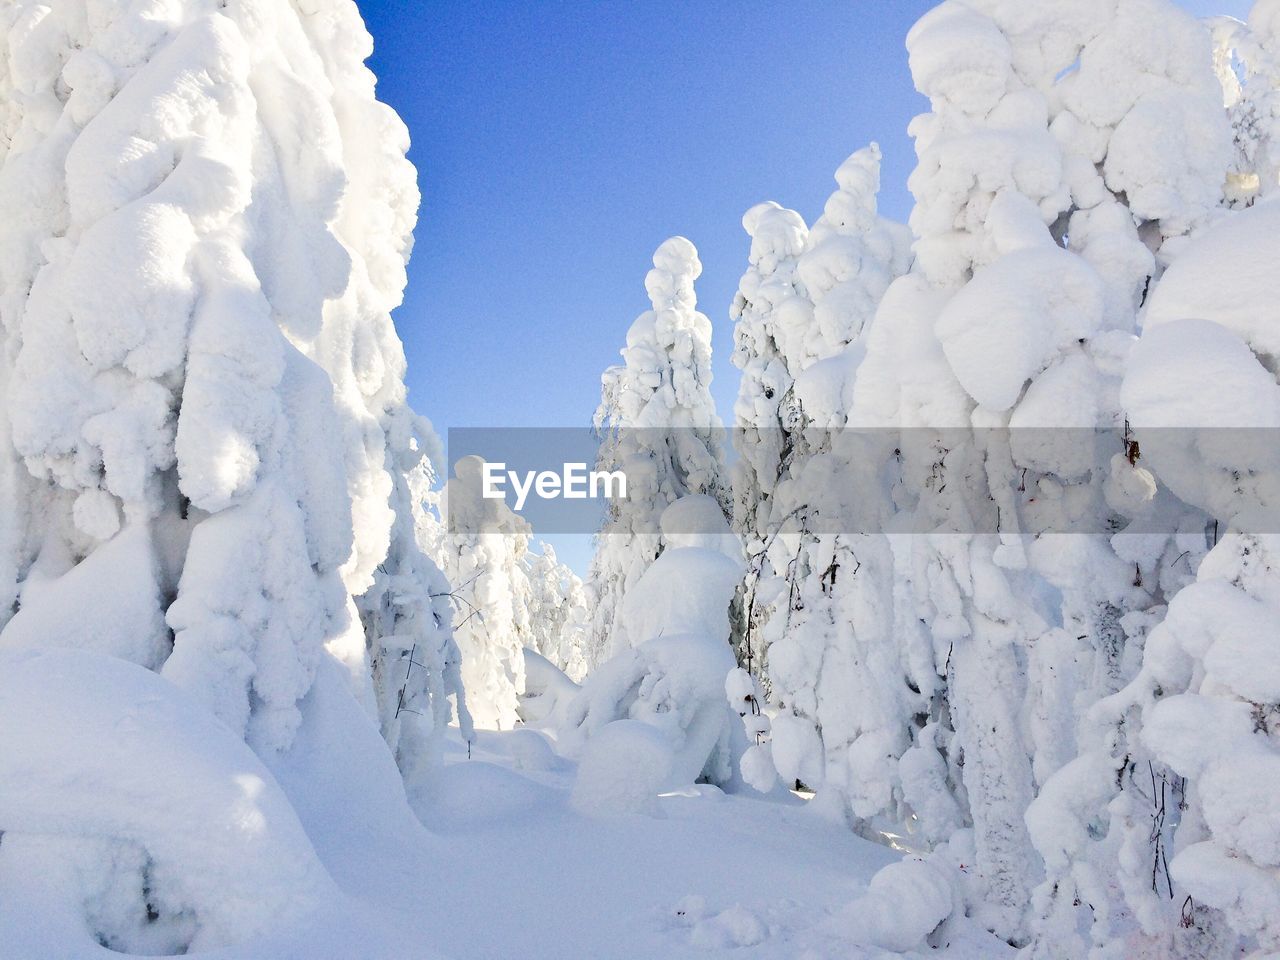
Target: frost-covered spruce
559,614
386,444
824,602
1247,58
770,302
767,422
1211,715
199,353
204,454
1200,879
1002,327
408,616
658,424
1144,152
484,553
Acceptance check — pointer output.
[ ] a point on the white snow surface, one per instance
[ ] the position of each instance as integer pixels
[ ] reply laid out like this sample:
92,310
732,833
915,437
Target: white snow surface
686,879
333,865
112,779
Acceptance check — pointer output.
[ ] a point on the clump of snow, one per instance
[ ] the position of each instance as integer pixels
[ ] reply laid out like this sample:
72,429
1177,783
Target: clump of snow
797,750
746,697
108,603
1201,403
1014,318
906,901
730,929
653,607
1224,277
673,676
623,768
759,771
960,57
548,691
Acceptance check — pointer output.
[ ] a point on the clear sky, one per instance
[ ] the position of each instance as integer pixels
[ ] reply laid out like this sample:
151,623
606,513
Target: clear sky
558,143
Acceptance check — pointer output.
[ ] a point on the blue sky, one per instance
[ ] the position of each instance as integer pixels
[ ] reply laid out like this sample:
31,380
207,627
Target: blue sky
558,143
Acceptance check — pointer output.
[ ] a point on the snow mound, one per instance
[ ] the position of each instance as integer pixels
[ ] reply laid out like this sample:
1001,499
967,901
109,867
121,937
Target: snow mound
623,768
106,754
531,750
906,902
729,929
109,602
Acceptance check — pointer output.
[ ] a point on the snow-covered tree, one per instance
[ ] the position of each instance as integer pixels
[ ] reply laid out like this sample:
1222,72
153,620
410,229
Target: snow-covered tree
767,420
559,615
1247,58
205,446
827,622
1064,143
658,424
1152,823
408,617
483,548
654,716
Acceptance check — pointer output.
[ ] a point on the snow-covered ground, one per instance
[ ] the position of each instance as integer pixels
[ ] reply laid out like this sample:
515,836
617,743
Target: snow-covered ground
318,854
504,868
709,874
